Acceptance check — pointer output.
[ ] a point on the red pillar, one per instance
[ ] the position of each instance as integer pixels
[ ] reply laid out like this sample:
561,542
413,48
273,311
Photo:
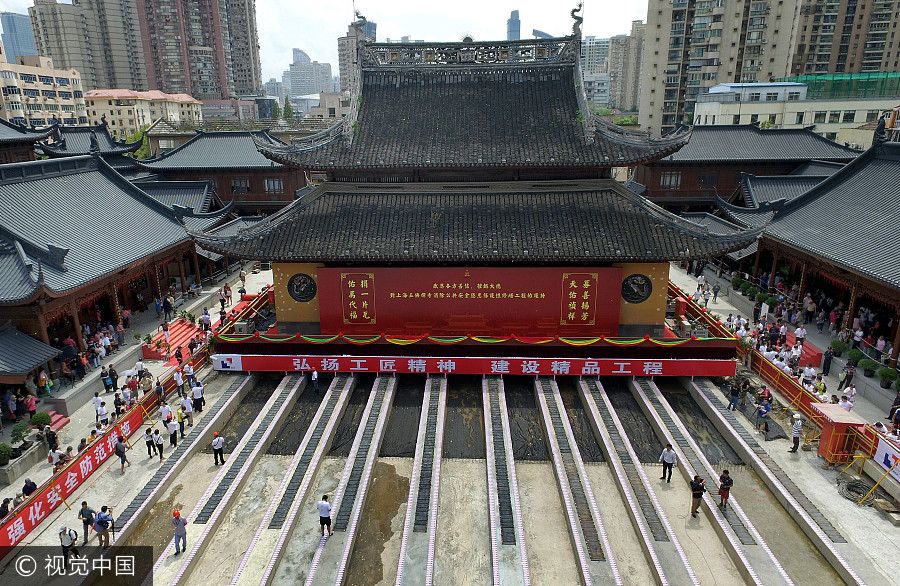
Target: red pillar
181,272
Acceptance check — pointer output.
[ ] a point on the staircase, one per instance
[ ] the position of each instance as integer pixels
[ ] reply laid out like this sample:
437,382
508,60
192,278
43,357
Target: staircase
180,333
57,421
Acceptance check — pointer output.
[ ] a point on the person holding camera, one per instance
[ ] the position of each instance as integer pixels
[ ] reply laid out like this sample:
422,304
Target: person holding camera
698,487
102,522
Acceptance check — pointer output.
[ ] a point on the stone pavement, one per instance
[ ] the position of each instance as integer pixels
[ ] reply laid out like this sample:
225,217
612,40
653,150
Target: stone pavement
870,402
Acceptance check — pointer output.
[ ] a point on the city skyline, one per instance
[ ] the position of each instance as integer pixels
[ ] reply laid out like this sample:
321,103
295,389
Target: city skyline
278,23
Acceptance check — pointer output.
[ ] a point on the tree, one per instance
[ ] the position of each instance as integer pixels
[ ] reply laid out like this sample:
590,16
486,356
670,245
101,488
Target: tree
276,111
599,110
626,120
288,111
144,151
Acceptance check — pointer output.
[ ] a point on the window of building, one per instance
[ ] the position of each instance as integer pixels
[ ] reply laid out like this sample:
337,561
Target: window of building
45,79
736,119
834,117
819,117
8,74
799,118
849,116
28,77
771,96
772,118
754,97
670,179
754,118
872,115
708,180
793,96
274,185
831,135
240,185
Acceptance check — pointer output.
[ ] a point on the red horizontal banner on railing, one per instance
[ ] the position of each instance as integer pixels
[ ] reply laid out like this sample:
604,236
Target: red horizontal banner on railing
465,365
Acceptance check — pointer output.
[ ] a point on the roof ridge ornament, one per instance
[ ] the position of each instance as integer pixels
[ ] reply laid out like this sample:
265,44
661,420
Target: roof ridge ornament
576,28
95,144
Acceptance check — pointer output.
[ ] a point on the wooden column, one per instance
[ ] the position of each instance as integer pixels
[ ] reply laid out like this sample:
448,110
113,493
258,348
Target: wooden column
196,263
896,347
227,265
802,289
756,261
154,280
117,310
181,272
852,308
45,337
79,335
774,270
212,265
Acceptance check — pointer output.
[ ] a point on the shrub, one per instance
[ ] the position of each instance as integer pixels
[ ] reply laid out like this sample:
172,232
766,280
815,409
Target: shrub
772,301
19,432
752,292
888,374
148,339
737,282
745,286
868,365
762,297
5,452
855,356
839,346
40,419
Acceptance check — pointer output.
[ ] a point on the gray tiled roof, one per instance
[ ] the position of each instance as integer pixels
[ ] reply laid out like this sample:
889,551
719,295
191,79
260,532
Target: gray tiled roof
73,220
758,190
576,221
818,168
749,143
196,195
228,229
848,219
20,353
472,115
718,225
10,132
76,140
216,150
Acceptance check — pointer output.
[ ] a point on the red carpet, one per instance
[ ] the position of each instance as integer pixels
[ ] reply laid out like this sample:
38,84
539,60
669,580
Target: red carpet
810,352
180,333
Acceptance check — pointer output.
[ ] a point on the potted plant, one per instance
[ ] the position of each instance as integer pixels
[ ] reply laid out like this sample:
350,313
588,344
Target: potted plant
854,356
192,318
868,367
887,376
736,282
745,286
772,301
158,345
183,314
762,297
148,339
839,347
5,453
40,420
18,434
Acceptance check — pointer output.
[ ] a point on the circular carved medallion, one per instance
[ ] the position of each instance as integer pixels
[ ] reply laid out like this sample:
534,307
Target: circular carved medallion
636,288
302,287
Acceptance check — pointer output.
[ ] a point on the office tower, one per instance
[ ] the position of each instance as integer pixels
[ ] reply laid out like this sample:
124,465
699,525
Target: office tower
692,45
594,55
625,53
310,78
18,40
347,54
273,87
246,65
99,38
513,26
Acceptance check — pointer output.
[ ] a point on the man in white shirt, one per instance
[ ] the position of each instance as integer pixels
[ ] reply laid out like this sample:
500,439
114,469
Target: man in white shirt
741,321
197,392
669,458
809,373
778,363
845,404
96,401
800,335
139,369
178,377
187,404
103,414
782,333
165,411
172,427
324,515
850,393
218,446
770,355
188,372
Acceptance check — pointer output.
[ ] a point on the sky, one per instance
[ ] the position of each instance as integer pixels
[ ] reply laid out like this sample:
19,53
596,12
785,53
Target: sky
315,26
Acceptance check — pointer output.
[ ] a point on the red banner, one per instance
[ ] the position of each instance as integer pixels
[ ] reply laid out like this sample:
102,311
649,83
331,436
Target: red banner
65,482
470,301
457,365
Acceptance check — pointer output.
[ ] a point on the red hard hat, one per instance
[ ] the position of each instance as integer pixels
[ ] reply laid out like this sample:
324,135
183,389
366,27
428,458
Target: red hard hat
216,434
176,513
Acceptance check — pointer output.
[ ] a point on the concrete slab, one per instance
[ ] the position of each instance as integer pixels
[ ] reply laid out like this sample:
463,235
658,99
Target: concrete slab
463,549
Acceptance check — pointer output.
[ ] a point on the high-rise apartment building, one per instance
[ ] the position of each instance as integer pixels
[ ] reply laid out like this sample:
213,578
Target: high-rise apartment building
846,36
625,57
594,55
246,65
310,78
347,53
273,87
99,38
513,26
692,45
18,40
188,47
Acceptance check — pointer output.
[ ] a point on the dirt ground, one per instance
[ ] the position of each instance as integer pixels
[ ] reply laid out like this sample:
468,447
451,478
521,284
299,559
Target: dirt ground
372,562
